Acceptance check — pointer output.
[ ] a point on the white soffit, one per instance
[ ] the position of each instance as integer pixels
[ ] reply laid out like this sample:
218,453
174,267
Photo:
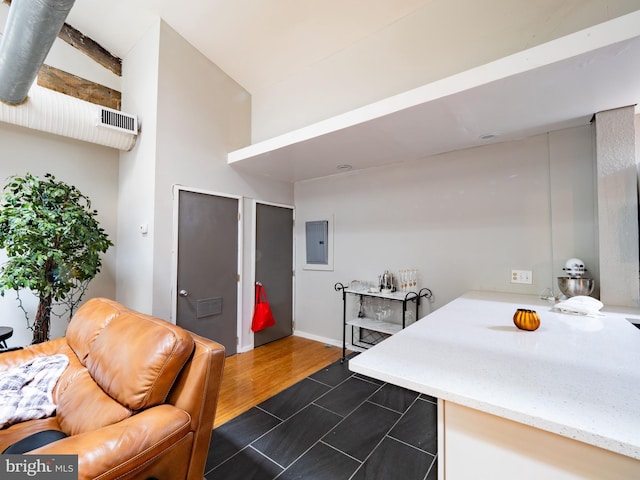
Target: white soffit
556,85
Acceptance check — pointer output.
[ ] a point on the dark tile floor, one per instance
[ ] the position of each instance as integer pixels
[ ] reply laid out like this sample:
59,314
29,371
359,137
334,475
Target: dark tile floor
332,425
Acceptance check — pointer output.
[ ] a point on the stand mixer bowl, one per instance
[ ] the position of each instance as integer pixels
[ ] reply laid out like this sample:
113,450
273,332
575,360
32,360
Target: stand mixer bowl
573,286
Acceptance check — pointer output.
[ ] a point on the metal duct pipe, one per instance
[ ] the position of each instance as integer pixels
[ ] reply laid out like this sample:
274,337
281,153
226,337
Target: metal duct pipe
70,117
32,27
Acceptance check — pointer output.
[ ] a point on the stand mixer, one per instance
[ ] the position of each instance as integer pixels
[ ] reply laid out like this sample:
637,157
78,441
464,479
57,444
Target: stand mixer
575,283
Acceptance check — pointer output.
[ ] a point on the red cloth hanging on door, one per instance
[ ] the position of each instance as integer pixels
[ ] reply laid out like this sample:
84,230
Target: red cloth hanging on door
262,316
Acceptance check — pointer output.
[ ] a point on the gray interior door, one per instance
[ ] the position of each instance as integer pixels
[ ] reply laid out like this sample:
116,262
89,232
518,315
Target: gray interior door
208,267
274,268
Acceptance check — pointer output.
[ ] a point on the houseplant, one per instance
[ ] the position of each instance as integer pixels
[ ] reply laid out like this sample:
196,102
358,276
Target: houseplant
53,244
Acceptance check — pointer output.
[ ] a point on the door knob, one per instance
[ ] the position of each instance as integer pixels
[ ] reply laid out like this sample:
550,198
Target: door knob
183,293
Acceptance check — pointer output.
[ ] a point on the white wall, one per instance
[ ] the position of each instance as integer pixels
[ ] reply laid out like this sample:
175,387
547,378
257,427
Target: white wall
200,115
464,219
137,176
438,40
572,173
617,187
94,171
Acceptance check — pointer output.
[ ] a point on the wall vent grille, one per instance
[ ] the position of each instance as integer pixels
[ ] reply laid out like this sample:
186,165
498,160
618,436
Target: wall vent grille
117,120
70,117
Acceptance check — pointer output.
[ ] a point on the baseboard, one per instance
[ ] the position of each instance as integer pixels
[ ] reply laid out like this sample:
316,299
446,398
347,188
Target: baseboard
317,338
327,341
245,349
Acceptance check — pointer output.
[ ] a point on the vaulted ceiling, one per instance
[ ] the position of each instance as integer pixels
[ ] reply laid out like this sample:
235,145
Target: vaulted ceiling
256,42
262,42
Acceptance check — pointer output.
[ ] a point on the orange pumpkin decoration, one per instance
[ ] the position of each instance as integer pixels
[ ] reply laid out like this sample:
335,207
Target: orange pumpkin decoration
526,319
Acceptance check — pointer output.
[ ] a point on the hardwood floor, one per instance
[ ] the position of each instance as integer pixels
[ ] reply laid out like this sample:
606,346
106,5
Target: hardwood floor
252,377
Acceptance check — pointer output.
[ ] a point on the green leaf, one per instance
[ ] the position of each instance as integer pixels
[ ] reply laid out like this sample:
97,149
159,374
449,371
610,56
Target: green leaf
51,236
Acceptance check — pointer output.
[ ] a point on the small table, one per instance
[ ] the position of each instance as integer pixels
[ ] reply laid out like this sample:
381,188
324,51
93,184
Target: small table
5,332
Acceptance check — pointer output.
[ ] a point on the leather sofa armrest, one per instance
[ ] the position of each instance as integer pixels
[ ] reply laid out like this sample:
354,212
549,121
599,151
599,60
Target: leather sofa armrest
14,358
127,446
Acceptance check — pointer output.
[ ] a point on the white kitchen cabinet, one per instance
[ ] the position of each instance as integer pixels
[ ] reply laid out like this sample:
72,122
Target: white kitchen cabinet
477,445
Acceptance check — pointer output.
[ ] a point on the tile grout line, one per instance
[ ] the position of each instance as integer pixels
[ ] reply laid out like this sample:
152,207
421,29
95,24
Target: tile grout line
435,458
273,414
267,457
250,443
386,435
319,441
408,445
353,410
312,403
340,451
334,426
389,408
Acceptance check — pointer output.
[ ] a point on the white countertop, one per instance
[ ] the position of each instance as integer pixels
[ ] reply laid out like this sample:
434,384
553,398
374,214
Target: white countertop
575,376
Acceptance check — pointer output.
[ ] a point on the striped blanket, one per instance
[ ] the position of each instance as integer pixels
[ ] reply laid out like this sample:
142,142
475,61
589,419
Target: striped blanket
25,390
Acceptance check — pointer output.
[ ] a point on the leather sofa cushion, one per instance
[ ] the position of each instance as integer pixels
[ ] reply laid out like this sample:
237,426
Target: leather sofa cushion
87,323
135,358
84,407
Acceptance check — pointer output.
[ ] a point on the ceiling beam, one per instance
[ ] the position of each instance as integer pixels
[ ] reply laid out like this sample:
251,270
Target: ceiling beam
63,82
89,47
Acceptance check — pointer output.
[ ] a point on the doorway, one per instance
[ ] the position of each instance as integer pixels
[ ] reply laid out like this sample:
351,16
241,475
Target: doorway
274,267
208,265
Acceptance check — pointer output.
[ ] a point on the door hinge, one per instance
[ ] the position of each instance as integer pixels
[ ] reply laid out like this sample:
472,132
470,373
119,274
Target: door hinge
237,340
239,216
238,278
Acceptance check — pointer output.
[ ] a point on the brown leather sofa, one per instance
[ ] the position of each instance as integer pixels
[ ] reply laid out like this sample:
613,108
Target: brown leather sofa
137,400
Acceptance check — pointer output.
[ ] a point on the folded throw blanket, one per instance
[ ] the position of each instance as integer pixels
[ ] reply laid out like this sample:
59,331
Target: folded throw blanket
25,391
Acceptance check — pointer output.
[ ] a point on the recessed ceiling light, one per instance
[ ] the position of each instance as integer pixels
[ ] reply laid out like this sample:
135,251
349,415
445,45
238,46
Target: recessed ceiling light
344,168
488,136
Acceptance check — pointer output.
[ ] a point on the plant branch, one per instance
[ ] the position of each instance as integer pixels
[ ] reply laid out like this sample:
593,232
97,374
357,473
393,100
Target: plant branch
24,310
